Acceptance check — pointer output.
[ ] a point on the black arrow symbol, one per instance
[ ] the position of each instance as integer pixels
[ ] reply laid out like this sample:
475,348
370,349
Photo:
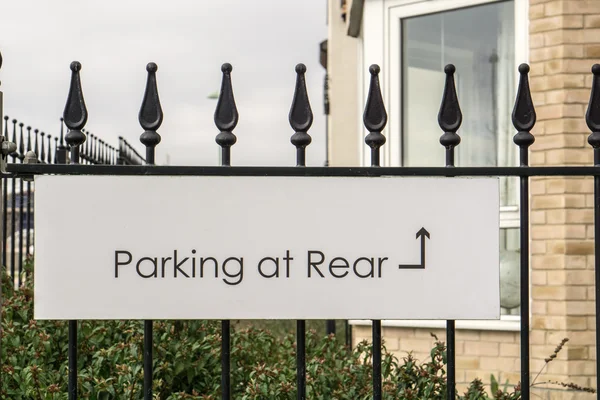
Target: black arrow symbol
422,234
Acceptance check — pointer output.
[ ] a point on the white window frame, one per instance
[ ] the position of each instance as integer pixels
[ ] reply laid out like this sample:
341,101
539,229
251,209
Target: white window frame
381,44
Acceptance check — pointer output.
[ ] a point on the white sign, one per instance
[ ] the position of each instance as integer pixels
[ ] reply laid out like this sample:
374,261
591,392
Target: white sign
164,247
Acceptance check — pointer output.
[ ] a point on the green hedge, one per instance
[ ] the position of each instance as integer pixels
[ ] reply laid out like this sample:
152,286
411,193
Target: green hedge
187,361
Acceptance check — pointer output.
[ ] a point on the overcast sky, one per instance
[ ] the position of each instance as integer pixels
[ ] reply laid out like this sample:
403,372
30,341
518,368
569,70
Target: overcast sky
189,40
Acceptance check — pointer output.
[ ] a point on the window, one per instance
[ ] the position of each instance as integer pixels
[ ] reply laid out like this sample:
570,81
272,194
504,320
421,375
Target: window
480,42
486,39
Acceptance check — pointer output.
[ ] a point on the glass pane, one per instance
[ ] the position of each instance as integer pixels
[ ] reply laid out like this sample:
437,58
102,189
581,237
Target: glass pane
480,42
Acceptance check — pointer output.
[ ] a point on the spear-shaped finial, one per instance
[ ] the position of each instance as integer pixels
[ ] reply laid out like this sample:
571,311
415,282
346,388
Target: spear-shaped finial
102,146
21,142
49,149
14,154
523,115
151,114
301,116
226,116
97,149
375,116
592,115
75,114
43,147
55,160
35,146
28,138
450,116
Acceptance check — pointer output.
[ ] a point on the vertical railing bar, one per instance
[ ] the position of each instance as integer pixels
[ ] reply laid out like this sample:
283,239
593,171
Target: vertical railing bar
375,119
62,149
35,147
150,118
28,232
597,259
21,157
72,350
49,157
377,344
72,355
226,118
148,358
5,181
301,119
301,359
348,334
225,358
523,118
13,206
75,117
449,120
42,148
5,207
524,275
592,117
330,327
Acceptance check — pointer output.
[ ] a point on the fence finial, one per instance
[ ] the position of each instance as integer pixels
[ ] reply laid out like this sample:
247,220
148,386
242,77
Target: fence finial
28,139
450,116
75,114
301,116
151,114
375,116
592,115
35,146
43,147
49,149
93,147
523,115
21,142
14,154
226,115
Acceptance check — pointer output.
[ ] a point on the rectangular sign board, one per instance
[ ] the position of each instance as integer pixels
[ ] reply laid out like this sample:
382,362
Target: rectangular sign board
227,247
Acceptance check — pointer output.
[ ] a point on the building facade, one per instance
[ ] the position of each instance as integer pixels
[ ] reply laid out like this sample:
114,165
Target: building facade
412,40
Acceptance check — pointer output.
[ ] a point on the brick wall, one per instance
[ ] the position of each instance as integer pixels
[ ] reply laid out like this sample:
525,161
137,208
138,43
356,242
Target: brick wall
564,44
479,354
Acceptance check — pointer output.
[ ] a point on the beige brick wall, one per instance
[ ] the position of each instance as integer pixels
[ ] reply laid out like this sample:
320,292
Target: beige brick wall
564,44
479,354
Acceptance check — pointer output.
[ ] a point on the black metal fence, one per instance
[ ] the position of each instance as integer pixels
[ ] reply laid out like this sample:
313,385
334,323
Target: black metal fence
300,118
19,194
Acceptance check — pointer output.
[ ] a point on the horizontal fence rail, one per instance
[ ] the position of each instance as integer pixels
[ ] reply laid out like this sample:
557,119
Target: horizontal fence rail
27,170
88,154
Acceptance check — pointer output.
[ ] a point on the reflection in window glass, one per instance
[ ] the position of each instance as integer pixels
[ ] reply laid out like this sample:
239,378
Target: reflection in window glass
509,271
479,41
